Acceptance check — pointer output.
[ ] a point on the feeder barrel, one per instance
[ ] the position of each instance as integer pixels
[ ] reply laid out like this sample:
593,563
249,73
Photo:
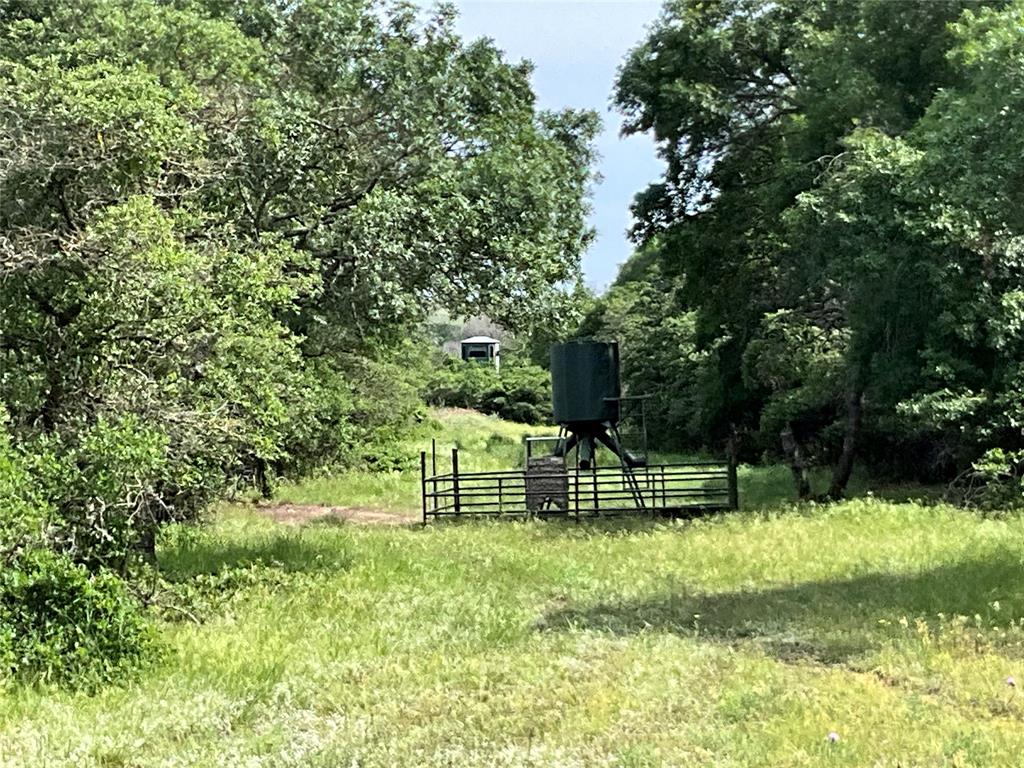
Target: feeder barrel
585,382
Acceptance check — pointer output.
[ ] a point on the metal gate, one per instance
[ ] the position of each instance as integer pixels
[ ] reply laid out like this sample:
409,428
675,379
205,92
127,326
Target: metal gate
548,489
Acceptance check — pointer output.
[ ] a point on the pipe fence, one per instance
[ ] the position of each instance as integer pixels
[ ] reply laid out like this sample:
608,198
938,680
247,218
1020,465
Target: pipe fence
546,487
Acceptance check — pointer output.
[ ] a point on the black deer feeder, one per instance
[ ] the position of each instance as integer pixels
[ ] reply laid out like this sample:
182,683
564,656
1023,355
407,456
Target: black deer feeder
586,398
561,475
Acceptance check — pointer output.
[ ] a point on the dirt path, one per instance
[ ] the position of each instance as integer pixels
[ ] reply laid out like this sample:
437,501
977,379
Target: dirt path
297,514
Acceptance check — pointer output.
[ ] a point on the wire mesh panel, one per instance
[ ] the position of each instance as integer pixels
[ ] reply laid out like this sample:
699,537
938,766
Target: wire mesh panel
547,487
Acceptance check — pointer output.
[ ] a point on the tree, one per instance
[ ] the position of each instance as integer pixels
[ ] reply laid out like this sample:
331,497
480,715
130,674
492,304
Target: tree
659,358
220,220
759,109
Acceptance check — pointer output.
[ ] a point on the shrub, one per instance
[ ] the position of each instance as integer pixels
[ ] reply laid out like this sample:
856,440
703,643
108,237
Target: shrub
60,623
386,404
354,413
22,511
521,392
104,486
994,482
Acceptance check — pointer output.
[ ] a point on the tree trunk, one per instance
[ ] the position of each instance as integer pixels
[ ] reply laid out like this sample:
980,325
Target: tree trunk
797,461
844,467
147,542
262,479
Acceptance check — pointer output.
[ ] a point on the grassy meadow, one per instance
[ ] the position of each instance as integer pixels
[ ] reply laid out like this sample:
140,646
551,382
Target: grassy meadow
484,443
738,640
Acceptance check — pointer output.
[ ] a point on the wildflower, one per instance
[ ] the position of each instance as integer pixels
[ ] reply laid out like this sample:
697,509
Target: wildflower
1011,682
832,737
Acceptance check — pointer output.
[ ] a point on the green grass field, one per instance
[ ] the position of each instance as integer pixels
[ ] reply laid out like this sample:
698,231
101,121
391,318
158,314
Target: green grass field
484,442
739,640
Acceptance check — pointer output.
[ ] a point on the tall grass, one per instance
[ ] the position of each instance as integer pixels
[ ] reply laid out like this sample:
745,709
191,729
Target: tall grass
738,640
484,443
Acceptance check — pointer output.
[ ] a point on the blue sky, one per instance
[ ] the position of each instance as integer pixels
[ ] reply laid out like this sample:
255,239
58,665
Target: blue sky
576,47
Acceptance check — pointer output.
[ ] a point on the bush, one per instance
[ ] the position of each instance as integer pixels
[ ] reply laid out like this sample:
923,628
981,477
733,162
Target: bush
994,482
386,403
23,513
521,392
60,623
103,485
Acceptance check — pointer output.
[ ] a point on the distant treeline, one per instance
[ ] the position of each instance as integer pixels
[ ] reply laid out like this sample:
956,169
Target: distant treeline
831,267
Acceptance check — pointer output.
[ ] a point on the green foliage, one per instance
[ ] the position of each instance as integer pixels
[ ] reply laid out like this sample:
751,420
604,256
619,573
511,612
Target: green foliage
165,374
25,514
994,483
105,490
658,348
220,222
459,384
224,206
840,224
520,393
60,623
386,403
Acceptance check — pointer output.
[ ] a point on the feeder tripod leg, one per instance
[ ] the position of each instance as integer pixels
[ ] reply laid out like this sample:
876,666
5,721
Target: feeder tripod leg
564,449
614,443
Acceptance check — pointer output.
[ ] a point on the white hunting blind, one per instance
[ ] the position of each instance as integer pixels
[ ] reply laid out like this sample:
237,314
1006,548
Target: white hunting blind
481,349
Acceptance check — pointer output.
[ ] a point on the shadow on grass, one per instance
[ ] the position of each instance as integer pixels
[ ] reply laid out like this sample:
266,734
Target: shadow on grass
556,526
623,524
199,553
829,622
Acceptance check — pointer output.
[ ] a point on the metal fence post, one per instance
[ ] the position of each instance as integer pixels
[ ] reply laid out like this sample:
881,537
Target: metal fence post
455,479
734,490
423,483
